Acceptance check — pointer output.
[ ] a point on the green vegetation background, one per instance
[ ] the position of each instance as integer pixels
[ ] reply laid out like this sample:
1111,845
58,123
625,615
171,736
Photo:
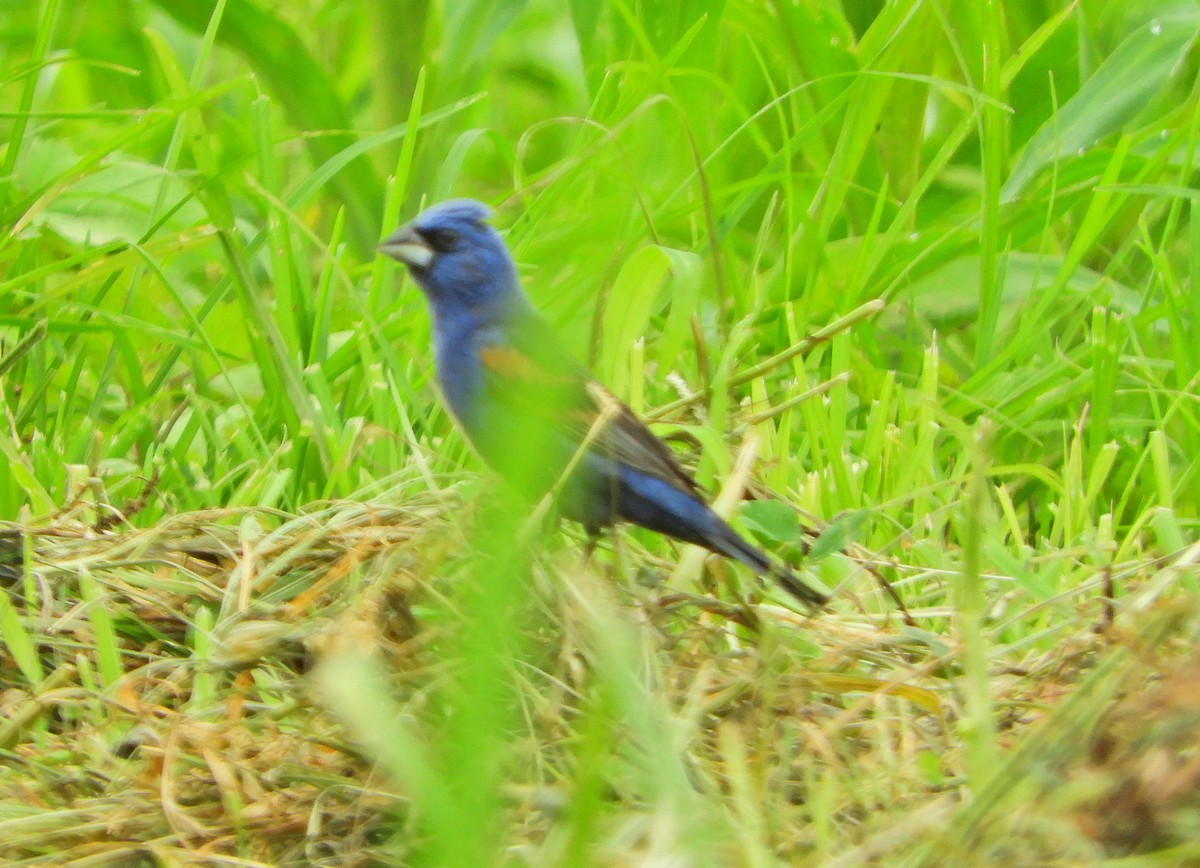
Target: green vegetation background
192,318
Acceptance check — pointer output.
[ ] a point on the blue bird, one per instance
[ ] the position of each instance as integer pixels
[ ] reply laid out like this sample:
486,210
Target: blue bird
531,411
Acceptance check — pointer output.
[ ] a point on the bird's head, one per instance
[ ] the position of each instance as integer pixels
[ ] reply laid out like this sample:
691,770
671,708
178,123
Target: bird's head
456,257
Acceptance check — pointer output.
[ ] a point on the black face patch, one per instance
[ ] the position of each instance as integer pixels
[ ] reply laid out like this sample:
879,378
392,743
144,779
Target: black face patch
441,240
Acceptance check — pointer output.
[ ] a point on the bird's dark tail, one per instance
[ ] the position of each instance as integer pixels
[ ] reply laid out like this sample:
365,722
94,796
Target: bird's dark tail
733,546
659,505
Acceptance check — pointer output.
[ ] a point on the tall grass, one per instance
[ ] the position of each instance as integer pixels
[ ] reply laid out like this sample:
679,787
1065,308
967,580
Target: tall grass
225,455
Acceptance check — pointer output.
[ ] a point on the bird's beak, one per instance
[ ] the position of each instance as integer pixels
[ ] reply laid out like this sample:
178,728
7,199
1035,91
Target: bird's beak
407,246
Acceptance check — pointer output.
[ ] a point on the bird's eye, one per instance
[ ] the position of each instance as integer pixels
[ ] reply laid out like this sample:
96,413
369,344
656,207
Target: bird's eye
442,240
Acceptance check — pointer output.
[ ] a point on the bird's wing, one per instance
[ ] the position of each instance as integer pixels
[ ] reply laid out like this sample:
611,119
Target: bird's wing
628,440
526,371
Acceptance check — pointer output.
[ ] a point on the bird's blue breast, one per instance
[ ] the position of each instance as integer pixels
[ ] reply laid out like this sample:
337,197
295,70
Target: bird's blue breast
520,446
507,441
460,374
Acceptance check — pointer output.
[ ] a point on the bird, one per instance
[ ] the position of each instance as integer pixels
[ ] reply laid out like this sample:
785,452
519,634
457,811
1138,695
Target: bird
532,412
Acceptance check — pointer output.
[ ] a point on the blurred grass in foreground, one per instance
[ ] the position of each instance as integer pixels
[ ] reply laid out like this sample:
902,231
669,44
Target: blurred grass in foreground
258,606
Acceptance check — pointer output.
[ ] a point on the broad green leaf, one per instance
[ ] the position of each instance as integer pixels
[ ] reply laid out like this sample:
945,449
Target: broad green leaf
839,533
635,295
1124,84
771,520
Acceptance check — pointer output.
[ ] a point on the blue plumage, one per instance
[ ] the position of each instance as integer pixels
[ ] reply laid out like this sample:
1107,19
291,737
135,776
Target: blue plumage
527,406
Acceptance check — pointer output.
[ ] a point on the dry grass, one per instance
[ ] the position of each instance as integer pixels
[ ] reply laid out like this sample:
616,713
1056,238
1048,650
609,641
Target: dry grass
213,744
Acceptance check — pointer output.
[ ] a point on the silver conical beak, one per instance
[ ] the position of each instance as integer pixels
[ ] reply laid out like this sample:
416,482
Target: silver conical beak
407,246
